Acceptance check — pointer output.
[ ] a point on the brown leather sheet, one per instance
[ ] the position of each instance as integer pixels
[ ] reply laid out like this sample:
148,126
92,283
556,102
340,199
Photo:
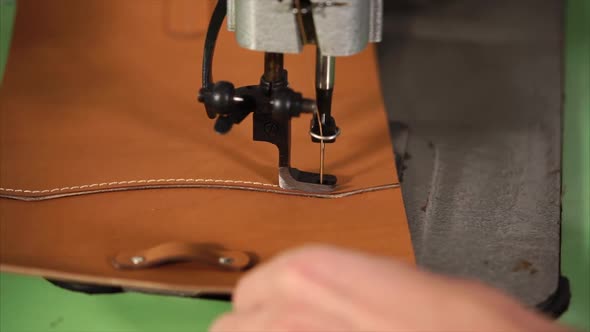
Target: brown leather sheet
100,96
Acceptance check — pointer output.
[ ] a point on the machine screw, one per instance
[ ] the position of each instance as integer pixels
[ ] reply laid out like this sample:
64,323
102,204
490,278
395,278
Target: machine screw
226,260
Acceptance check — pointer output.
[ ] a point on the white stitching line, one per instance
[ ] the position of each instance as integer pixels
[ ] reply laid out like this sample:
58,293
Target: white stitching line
118,183
253,189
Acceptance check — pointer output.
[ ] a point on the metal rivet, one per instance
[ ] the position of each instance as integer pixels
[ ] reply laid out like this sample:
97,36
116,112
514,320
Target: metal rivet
226,260
136,260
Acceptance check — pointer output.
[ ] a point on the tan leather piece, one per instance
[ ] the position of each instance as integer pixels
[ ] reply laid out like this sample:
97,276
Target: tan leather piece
179,20
175,252
116,102
96,91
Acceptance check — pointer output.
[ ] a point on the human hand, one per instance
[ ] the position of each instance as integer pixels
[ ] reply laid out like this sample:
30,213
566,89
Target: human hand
331,289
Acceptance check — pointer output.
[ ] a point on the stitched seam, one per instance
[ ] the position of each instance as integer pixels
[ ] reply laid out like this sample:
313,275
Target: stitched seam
198,185
128,182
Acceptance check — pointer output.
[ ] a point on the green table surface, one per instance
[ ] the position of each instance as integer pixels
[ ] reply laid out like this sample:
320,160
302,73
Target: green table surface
575,227
32,304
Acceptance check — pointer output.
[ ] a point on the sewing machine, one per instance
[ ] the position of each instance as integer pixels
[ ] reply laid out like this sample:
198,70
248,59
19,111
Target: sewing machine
456,159
489,86
337,28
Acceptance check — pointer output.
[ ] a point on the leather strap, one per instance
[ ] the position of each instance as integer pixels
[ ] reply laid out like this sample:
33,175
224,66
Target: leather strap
174,252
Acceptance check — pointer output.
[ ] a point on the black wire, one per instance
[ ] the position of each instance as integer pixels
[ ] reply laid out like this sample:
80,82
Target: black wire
212,32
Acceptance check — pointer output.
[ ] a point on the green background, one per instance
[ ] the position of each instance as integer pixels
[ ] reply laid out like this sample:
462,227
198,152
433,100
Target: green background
575,227
32,304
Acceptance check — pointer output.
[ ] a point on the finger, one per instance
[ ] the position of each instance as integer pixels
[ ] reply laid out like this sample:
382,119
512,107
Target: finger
236,322
283,317
321,272
275,279
374,290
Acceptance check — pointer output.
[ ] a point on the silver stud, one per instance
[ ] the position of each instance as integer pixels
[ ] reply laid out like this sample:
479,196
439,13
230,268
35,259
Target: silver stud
136,260
226,260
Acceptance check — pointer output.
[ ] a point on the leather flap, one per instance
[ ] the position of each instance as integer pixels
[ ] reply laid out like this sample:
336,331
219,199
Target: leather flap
99,97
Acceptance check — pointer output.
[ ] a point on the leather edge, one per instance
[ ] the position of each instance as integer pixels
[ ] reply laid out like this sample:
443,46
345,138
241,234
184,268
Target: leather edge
109,281
31,197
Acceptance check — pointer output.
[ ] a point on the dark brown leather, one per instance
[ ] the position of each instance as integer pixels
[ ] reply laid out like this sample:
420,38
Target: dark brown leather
99,94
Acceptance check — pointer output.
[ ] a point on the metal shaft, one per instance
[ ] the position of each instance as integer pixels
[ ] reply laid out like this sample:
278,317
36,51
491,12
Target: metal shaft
325,73
273,66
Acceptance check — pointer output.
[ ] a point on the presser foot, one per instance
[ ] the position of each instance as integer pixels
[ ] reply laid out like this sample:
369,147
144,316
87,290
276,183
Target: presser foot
294,179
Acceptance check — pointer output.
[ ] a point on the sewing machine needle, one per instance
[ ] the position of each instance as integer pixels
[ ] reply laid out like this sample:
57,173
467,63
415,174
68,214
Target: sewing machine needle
322,147
322,156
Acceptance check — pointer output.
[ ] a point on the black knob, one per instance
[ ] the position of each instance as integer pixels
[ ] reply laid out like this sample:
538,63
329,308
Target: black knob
223,125
288,101
219,99
222,97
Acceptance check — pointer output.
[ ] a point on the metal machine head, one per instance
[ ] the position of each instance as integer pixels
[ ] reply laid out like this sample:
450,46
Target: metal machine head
337,28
